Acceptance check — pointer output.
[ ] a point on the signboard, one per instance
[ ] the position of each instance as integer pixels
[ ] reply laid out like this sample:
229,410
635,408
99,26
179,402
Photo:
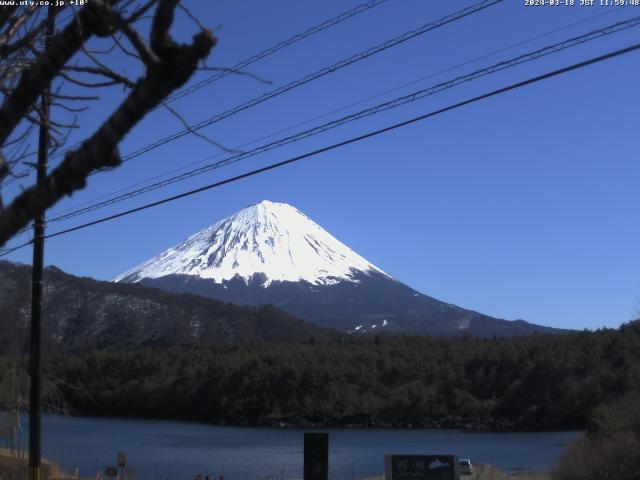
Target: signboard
111,471
422,467
122,459
316,456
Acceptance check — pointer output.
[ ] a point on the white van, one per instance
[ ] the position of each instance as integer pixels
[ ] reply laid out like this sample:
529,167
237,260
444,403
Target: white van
466,468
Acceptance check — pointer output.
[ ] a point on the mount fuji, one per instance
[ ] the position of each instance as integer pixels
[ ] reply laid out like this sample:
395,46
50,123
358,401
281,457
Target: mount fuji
271,253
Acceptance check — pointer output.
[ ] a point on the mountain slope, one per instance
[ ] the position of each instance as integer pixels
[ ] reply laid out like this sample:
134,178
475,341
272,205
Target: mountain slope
83,314
270,253
372,304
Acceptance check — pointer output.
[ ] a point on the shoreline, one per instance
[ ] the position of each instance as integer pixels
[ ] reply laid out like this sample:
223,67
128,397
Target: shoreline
14,464
453,424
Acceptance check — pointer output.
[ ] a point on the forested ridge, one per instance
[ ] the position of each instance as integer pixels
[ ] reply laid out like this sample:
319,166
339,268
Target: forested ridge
81,314
530,382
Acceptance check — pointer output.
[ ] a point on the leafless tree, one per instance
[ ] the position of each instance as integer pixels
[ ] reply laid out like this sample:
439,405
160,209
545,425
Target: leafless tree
72,64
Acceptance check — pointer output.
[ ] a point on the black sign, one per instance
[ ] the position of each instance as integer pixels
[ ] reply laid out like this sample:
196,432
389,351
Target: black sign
316,456
422,467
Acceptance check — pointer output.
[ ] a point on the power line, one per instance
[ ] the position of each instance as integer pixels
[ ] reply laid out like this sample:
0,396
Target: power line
318,74
363,7
310,77
359,102
412,97
395,126
277,47
7,251
374,133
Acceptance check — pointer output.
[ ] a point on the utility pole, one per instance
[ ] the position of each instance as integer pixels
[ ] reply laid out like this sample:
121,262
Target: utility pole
35,393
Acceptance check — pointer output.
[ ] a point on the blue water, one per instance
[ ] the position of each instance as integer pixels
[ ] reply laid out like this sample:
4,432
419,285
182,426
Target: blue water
179,450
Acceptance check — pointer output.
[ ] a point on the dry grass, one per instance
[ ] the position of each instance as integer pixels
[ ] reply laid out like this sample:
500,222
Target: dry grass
14,468
616,457
489,472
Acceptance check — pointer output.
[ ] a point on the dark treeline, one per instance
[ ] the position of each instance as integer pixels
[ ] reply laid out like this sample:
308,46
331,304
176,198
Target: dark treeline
532,382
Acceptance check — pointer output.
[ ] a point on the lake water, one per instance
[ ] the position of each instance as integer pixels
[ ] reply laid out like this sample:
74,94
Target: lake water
179,450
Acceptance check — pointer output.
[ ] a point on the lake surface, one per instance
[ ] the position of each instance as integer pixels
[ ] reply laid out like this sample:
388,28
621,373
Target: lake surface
179,450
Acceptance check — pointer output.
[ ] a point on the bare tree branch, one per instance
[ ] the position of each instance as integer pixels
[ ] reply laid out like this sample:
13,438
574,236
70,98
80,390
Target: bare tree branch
105,72
4,170
60,143
68,108
236,72
16,24
196,133
91,20
124,49
141,11
6,12
81,83
193,17
175,66
19,138
6,50
77,98
146,54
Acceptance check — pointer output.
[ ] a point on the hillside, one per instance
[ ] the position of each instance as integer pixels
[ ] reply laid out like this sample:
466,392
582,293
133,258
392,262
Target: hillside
86,314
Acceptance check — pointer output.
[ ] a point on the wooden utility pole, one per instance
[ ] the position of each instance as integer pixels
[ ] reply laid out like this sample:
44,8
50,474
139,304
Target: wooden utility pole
35,393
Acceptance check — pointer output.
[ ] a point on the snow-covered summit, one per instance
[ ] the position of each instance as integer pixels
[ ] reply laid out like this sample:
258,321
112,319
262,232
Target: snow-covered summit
270,238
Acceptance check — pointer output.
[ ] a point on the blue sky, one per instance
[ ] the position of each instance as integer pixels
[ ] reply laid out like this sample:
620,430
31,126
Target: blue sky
521,206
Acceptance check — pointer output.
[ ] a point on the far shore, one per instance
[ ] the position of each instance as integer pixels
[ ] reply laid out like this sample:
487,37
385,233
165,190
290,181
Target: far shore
295,424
